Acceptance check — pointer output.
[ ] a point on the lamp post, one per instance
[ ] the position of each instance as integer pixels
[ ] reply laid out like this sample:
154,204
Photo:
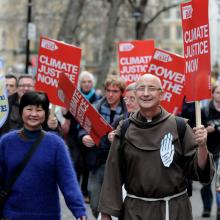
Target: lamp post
27,36
137,14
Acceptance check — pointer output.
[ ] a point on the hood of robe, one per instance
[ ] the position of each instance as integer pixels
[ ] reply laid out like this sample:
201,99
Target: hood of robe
148,135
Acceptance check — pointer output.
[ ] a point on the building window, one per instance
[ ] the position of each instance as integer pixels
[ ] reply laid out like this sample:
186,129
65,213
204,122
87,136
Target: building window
178,32
166,32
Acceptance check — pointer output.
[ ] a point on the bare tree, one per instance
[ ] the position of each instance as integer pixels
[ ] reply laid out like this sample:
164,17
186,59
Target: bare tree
70,23
140,27
139,12
108,44
70,33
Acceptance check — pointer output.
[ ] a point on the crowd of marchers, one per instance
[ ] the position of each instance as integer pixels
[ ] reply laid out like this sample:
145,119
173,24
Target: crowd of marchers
142,169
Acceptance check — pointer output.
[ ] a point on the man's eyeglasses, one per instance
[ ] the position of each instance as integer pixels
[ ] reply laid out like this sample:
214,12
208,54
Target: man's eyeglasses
129,99
10,85
149,89
25,85
112,91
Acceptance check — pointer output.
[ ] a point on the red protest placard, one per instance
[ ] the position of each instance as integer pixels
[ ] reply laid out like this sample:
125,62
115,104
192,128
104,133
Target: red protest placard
133,58
82,110
54,59
170,69
195,23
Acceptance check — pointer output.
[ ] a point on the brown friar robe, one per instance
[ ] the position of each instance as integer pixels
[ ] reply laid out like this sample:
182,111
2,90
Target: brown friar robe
138,165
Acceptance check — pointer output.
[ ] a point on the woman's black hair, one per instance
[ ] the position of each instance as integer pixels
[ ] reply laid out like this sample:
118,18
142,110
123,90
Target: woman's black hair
35,98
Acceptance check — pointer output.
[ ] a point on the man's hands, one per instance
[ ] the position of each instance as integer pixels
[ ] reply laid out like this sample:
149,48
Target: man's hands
201,135
210,128
201,138
52,122
105,217
87,141
111,136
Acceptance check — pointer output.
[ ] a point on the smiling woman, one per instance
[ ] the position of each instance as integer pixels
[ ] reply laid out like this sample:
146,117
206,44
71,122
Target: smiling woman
34,109
50,167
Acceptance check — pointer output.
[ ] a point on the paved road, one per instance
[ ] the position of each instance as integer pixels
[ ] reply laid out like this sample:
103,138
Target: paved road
197,204
196,207
66,214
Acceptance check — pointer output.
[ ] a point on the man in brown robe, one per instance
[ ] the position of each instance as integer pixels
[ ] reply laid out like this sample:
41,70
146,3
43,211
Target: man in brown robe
152,163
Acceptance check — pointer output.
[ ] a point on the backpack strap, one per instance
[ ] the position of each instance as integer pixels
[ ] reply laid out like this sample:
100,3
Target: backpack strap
124,128
181,127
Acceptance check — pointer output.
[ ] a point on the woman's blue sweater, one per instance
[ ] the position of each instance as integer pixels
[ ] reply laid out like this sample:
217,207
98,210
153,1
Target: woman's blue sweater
35,195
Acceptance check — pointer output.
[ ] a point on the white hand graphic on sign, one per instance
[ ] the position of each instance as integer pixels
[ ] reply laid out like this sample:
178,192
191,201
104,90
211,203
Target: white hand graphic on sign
167,150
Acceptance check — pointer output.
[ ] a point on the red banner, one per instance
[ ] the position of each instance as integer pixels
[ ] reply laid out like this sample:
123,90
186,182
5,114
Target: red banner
195,24
170,69
134,57
82,110
54,59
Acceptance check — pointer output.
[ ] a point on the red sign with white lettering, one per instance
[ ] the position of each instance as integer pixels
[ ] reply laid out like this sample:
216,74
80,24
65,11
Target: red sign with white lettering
195,23
82,110
134,57
169,68
56,58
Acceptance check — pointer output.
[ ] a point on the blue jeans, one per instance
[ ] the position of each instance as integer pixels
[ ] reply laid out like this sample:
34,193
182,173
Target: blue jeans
206,192
94,188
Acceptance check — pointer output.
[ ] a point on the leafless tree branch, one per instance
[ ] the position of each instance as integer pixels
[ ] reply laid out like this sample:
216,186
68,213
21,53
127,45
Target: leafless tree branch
158,13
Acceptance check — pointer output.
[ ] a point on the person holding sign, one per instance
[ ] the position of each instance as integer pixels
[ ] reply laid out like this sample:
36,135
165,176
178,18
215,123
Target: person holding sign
152,163
111,106
78,149
211,118
34,195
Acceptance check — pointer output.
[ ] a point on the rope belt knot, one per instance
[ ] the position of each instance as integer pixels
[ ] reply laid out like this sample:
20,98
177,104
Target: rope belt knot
166,199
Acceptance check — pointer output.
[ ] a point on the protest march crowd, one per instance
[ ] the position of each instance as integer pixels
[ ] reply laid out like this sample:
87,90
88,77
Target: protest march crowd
131,151
134,112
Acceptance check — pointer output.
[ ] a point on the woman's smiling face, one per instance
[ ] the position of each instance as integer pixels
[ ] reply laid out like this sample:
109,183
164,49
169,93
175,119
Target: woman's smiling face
33,117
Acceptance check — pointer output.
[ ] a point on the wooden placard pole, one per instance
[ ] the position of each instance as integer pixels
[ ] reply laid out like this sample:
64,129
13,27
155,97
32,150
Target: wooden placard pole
198,113
52,110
